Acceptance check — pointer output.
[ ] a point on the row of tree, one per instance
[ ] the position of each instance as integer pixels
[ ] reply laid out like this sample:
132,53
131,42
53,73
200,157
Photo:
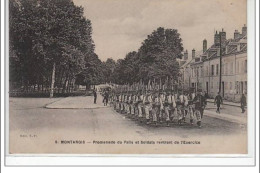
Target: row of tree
156,60
51,46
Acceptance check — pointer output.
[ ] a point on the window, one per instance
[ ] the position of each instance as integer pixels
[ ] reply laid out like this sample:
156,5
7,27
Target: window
238,67
207,70
217,69
226,69
231,68
211,84
226,85
223,69
241,67
191,72
201,71
230,86
212,70
237,87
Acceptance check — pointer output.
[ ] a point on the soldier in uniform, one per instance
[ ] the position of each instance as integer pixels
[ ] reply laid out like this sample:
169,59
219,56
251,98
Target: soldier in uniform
128,103
132,108
147,106
190,108
199,102
121,102
156,108
179,111
140,106
136,105
173,106
114,100
162,100
181,106
185,105
117,102
167,107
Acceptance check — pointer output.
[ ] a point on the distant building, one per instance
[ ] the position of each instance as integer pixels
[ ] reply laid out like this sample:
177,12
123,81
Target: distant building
203,70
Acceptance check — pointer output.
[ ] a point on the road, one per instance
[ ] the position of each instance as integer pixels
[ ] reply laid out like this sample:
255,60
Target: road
35,129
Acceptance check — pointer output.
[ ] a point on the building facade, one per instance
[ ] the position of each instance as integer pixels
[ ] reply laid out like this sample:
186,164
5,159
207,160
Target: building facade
203,70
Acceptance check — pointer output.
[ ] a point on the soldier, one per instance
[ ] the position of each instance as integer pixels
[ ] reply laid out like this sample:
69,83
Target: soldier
114,100
181,105
128,104
106,96
125,103
132,105
190,110
167,107
117,102
173,105
185,105
162,100
121,102
179,111
192,95
140,106
156,108
199,102
136,105
147,106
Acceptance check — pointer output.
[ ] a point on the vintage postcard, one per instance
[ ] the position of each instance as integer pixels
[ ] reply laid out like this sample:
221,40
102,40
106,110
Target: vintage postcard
128,77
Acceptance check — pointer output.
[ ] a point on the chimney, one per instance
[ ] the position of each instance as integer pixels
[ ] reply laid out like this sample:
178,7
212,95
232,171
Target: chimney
236,35
244,30
193,53
216,39
223,37
186,55
204,45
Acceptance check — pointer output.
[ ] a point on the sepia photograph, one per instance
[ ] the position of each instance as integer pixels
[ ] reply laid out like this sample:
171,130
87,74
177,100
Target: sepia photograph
128,77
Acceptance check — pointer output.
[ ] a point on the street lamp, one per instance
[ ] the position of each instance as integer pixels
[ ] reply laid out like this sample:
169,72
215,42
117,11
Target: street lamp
220,62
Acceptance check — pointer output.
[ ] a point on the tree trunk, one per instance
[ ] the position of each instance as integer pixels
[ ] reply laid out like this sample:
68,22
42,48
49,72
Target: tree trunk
52,80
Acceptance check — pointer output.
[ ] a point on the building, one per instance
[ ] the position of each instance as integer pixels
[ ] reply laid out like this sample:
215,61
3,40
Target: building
203,70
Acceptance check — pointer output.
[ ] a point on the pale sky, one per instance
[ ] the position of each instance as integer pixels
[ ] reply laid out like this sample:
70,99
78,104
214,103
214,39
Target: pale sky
120,26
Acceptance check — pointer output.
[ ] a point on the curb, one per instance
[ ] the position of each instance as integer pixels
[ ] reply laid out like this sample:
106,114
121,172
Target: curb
226,117
229,104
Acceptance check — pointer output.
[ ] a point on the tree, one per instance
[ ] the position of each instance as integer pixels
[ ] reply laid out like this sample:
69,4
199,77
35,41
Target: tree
50,40
155,59
158,54
108,69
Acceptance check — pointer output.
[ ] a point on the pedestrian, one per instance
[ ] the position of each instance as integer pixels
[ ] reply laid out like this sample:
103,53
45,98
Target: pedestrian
243,102
95,96
218,101
106,95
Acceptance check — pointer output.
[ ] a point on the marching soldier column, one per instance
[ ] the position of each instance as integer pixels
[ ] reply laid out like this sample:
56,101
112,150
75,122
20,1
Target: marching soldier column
162,106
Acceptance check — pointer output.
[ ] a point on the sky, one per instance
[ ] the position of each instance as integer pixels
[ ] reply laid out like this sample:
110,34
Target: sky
120,26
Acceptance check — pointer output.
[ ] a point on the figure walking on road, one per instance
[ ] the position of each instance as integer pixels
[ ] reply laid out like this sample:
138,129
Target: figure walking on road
218,101
106,95
243,102
95,96
199,102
